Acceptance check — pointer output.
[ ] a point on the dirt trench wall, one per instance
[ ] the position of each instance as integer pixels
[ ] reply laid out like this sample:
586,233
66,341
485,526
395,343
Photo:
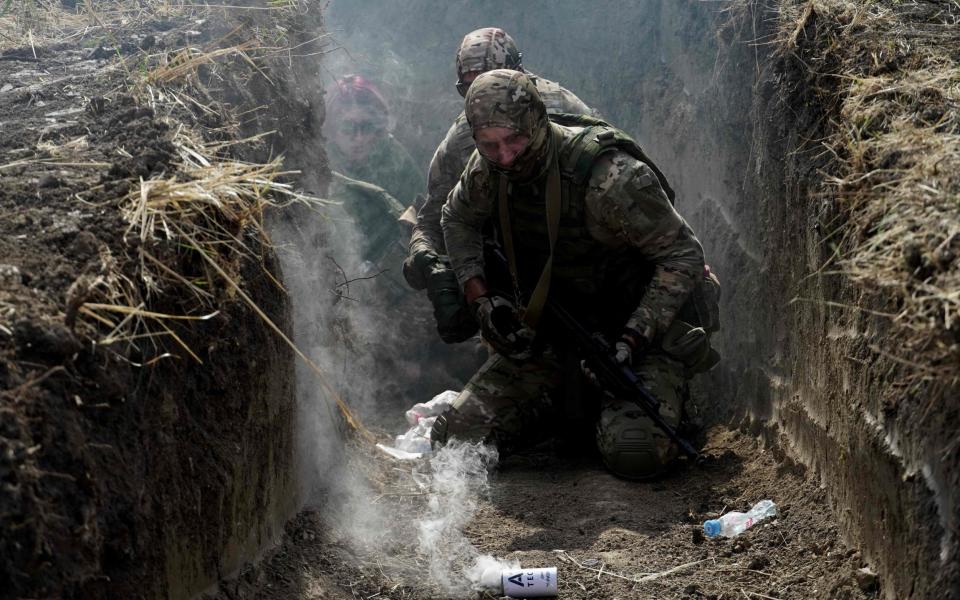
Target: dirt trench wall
152,472
734,121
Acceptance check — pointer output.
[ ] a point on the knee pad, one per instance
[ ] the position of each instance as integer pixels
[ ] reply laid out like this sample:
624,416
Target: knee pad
631,445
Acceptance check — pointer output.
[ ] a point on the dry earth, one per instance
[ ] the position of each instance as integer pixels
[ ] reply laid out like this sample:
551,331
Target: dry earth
603,534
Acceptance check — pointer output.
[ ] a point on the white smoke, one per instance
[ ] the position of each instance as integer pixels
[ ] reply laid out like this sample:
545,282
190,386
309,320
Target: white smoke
458,479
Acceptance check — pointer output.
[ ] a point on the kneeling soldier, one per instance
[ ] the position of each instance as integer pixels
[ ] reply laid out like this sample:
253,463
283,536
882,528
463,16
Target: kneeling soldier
584,219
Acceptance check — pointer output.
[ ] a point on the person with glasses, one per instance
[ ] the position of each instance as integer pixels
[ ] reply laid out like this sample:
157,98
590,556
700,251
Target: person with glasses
362,147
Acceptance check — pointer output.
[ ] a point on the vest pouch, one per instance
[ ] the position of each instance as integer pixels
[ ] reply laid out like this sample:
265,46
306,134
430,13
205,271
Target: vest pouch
706,301
691,346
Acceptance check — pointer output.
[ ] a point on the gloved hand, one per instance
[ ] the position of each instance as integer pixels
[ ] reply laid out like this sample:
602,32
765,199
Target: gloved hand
454,322
623,352
629,343
501,326
416,268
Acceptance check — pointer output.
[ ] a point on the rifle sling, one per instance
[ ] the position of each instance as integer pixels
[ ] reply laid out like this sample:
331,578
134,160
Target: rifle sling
534,309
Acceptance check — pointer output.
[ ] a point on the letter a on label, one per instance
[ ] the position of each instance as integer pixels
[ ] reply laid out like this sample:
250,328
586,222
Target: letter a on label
516,579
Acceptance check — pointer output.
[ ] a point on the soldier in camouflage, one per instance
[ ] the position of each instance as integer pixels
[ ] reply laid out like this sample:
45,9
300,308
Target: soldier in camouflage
363,148
623,262
426,265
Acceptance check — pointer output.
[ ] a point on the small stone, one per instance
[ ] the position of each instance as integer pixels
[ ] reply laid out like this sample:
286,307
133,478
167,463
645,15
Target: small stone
9,276
866,579
85,244
49,181
759,563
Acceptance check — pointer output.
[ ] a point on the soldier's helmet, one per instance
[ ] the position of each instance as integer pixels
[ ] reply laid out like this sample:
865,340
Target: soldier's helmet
509,99
484,50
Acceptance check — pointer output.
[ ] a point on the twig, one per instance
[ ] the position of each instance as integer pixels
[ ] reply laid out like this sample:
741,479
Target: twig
563,555
670,571
757,594
348,282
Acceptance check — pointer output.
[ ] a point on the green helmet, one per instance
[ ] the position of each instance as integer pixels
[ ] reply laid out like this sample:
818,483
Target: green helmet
484,50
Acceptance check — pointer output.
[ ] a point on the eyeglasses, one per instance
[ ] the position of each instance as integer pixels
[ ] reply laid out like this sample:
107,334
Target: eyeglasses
462,87
359,127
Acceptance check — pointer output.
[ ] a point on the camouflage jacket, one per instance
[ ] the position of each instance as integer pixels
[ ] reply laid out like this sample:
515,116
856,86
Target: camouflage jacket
624,210
452,155
389,166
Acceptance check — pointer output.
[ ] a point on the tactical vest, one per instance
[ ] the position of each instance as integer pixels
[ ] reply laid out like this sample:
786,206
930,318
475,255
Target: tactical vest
599,283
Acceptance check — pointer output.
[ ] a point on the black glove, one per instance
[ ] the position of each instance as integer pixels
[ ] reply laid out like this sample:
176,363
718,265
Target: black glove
630,343
455,324
416,268
501,326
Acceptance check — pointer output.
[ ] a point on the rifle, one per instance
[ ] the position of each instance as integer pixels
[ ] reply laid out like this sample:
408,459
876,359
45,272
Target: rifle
615,377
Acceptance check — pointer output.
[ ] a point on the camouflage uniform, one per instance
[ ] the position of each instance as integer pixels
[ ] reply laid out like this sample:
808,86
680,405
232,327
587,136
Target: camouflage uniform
426,265
451,157
620,222
388,165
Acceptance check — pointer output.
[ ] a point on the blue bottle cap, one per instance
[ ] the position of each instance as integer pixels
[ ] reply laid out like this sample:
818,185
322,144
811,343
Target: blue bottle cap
711,528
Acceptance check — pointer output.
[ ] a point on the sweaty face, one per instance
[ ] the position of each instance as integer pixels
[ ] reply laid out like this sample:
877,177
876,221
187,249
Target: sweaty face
356,132
501,145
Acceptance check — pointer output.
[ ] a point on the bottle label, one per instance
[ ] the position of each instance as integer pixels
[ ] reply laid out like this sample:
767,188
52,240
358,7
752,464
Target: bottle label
530,583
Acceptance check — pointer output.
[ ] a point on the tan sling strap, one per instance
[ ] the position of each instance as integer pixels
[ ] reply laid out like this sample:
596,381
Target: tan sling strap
531,316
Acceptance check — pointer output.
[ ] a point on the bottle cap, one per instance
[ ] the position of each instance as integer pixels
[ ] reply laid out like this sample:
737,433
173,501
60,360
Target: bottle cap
711,528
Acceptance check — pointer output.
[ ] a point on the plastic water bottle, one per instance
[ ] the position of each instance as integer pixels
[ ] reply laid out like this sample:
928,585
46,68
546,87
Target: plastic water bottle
733,524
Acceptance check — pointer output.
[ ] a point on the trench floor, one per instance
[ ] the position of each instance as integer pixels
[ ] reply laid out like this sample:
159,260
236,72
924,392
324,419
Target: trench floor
607,537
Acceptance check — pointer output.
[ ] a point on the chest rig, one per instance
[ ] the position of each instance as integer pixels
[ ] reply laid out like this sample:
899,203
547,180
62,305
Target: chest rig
602,284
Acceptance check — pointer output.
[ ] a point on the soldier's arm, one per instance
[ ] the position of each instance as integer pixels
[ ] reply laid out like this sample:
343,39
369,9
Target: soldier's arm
467,208
626,205
445,169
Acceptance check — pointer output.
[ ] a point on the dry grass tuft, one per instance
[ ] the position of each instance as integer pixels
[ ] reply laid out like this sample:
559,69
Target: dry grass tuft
184,63
187,231
191,229
887,72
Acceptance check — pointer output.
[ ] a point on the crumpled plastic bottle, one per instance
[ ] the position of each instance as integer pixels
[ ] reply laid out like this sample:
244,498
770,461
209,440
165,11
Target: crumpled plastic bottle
733,524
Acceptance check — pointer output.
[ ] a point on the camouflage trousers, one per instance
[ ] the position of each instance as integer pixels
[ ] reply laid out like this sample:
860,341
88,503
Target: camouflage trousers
514,405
